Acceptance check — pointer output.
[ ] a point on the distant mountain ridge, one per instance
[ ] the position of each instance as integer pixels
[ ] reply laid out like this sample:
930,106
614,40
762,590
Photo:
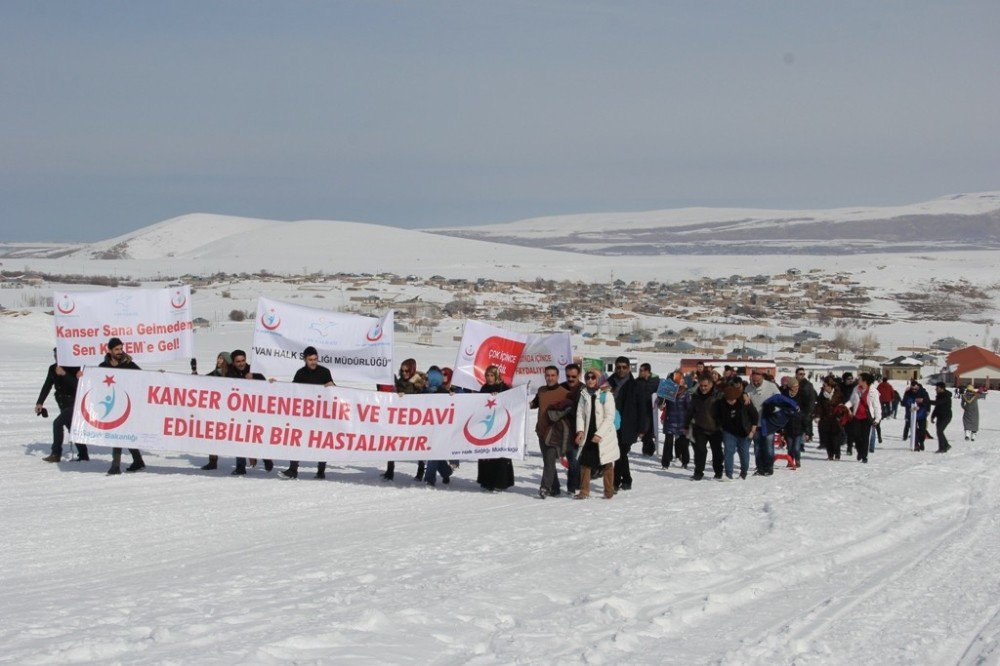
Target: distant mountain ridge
957,222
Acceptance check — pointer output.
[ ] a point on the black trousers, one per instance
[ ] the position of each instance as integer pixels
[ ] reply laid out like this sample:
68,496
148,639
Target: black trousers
622,472
702,440
59,423
859,432
831,437
675,446
648,445
942,440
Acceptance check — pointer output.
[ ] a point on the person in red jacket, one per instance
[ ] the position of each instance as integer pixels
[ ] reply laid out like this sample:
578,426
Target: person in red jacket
885,397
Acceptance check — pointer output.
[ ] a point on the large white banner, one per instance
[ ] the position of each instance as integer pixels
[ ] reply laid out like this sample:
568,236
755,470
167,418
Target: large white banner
257,419
520,357
153,324
354,348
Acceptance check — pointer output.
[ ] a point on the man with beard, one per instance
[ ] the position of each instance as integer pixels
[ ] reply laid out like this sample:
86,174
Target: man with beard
635,418
310,373
117,358
241,370
64,380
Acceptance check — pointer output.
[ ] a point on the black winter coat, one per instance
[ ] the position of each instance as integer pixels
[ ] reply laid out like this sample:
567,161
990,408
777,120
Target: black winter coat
65,386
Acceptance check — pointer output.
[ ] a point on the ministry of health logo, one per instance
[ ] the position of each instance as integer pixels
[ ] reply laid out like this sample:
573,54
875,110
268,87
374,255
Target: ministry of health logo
489,428
110,411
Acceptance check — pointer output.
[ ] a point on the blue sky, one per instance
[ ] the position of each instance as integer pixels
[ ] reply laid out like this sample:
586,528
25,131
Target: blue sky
116,115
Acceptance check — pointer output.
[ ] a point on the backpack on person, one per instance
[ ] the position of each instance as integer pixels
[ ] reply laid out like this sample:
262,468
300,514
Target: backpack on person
618,415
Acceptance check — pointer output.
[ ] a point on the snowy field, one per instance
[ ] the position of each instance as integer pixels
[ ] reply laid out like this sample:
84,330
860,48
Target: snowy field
837,563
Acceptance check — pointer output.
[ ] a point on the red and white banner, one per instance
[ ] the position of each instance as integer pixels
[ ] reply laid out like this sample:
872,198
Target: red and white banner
153,324
354,348
257,419
521,357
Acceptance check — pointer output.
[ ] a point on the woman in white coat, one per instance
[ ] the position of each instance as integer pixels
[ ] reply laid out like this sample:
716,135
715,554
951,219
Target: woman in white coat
595,434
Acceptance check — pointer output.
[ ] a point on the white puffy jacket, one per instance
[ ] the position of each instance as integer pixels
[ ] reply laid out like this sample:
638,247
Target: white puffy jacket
608,446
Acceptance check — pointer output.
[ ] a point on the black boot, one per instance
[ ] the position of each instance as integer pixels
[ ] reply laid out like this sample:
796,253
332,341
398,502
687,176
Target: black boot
268,465
321,470
213,463
292,472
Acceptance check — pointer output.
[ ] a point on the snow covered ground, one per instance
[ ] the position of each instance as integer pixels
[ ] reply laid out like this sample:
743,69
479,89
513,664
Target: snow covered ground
890,562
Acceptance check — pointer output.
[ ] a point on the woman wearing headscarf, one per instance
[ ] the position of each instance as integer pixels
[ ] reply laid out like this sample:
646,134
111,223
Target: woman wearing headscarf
595,434
405,385
970,412
494,473
222,363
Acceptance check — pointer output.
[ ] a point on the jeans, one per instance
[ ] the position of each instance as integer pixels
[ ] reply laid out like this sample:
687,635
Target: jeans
763,450
734,444
794,444
573,471
435,467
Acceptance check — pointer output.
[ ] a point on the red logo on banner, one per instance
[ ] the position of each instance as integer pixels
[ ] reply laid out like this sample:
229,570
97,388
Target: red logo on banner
270,321
487,430
66,305
106,421
178,300
501,352
375,334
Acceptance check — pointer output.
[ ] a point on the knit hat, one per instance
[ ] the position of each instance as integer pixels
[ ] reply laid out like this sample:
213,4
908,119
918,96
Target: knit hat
969,389
114,342
227,357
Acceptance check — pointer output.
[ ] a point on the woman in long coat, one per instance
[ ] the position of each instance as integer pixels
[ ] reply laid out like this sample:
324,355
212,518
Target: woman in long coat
970,412
595,434
494,473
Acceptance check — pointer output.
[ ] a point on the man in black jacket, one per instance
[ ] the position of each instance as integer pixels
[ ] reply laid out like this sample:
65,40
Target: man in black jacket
941,415
310,373
64,380
634,418
241,370
117,358
648,384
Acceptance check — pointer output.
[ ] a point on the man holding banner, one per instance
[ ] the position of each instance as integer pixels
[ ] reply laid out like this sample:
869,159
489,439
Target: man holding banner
117,358
241,370
310,373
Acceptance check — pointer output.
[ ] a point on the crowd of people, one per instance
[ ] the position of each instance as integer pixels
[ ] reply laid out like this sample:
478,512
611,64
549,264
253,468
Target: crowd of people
589,422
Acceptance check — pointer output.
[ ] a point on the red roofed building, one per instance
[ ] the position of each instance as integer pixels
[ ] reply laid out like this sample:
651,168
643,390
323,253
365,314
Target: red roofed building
975,365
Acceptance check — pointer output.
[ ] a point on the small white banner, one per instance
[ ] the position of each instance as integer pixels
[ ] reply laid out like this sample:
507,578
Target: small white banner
520,357
354,348
153,324
257,419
